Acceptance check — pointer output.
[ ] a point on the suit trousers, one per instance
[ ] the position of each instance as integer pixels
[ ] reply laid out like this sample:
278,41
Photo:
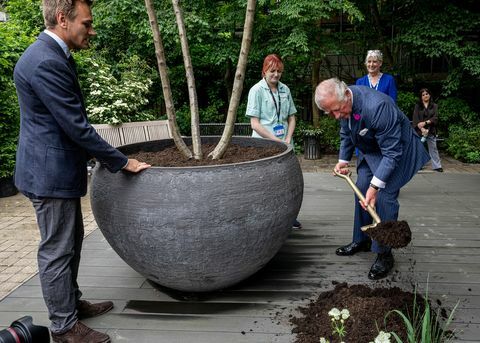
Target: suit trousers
61,235
387,207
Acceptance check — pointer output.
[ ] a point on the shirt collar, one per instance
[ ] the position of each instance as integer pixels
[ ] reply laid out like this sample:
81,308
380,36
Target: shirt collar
354,104
60,42
264,84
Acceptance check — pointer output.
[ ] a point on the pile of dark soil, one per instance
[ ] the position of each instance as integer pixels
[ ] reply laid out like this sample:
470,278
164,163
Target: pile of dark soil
367,307
396,234
171,157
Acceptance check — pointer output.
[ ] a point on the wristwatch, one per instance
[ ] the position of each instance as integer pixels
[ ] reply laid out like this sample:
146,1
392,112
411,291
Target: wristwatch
374,187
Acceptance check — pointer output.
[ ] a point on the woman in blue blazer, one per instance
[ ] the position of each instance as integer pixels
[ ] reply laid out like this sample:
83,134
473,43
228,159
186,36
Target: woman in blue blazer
375,79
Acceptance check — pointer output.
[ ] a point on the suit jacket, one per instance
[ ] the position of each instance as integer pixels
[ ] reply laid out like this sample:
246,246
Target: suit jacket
383,136
56,140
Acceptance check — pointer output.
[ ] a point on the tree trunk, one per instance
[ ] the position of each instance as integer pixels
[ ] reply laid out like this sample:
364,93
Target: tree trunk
192,93
315,80
222,146
167,91
227,78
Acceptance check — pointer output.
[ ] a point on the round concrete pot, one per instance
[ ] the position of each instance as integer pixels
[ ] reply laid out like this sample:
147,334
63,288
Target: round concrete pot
199,229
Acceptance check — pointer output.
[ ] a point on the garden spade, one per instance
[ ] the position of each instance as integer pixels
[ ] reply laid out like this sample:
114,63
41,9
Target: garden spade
370,209
396,234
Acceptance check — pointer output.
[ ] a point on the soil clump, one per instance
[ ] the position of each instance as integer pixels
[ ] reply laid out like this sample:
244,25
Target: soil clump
367,307
171,157
396,234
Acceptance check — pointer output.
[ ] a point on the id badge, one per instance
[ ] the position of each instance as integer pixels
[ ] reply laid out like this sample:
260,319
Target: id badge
279,130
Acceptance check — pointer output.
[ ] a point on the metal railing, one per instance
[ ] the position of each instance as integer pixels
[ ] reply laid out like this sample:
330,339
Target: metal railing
216,129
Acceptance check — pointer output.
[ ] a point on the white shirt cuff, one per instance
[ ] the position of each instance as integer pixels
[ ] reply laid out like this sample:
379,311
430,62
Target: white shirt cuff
377,182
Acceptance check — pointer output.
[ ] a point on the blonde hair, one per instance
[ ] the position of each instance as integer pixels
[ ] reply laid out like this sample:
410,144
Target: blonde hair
376,54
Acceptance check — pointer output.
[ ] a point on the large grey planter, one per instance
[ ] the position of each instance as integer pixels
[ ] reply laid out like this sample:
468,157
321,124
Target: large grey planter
199,228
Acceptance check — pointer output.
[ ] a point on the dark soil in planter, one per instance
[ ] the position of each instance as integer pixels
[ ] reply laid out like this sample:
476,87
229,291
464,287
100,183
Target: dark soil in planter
367,307
396,234
171,157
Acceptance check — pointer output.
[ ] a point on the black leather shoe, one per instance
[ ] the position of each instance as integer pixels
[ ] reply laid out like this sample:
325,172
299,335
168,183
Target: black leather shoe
353,248
382,266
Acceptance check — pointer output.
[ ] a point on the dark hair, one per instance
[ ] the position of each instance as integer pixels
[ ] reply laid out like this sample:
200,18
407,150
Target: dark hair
424,90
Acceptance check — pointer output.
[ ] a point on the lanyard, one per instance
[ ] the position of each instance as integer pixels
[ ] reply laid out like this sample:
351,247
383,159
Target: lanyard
378,82
279,107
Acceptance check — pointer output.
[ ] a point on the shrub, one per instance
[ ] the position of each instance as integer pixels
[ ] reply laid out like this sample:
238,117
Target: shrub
329,129
331,134
453,111
116,97
406,102
13,43
463,143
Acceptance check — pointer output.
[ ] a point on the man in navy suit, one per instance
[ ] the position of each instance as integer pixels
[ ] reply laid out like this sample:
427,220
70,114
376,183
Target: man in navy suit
55,143
390,154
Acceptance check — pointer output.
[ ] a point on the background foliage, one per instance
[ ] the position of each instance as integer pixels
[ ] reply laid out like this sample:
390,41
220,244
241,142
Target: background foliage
425,44
13,42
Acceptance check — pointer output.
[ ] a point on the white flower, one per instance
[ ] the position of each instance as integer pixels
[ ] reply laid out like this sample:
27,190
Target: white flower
383,337
345,313
323,340
335,313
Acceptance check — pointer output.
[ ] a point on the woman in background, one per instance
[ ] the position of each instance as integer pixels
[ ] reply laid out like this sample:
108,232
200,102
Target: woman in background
270,106
375,79
424,121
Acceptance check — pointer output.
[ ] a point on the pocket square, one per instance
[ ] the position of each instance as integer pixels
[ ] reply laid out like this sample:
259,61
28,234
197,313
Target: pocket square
363,132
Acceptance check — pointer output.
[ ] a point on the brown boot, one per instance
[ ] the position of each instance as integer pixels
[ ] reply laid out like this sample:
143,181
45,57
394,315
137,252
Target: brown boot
86,309
80,333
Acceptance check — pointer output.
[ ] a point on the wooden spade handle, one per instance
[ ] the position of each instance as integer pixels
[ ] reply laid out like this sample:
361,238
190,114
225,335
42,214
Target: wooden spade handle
359,194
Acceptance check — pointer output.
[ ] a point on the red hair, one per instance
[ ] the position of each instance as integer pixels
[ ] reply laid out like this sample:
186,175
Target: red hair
272,61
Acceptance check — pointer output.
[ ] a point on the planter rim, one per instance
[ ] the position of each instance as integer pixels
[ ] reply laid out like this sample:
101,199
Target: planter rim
283,153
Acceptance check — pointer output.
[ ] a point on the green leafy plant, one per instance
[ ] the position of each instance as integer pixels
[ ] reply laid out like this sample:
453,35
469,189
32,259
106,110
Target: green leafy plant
406,102
117,97
463,143
13,42
328,131
312,132
330,138
423,324
453,111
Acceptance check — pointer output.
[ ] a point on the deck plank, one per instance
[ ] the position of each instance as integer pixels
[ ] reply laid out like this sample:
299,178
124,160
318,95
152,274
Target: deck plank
442,210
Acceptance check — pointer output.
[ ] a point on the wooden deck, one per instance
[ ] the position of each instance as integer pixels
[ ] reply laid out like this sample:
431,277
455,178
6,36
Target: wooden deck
442,209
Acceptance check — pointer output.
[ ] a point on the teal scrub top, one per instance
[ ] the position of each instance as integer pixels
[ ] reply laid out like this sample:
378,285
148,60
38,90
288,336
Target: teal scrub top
260,104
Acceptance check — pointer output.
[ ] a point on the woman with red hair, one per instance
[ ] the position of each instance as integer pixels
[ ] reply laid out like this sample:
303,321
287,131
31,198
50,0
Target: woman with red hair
270,106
